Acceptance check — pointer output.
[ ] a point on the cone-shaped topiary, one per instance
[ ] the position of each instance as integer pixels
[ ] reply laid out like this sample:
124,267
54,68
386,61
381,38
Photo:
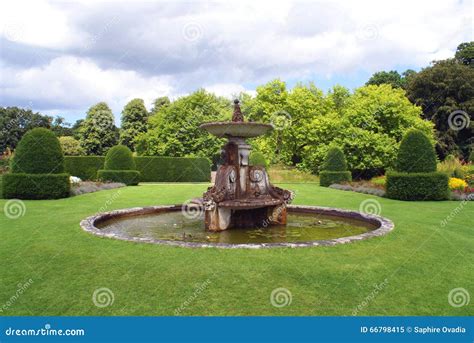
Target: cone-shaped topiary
119,166
38,152
257,159
37,168
119,157
415,177
416,154
334,168
335,160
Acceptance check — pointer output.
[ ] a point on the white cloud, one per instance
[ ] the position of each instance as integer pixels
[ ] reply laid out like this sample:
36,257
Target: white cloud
113,51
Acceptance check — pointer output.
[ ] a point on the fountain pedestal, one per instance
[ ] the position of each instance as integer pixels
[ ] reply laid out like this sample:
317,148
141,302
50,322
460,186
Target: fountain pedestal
242,195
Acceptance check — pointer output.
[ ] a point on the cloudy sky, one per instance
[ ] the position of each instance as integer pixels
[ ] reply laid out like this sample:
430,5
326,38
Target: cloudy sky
60,57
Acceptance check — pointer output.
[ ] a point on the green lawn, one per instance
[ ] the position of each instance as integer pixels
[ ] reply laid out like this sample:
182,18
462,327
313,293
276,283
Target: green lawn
420,260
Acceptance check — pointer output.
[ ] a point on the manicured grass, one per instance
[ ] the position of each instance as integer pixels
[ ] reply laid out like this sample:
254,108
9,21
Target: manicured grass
415,266
281,173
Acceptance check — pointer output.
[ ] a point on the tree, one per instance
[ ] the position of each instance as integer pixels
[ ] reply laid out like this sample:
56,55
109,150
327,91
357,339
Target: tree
159,103
392,78
445,92
465,54
71,146
174,131
15,122
98,132
60,127
134,122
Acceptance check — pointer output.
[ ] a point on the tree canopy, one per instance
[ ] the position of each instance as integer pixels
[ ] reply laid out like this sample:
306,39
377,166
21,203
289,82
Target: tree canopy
134,122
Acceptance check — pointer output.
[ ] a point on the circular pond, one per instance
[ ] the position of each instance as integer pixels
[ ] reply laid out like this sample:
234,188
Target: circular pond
307,226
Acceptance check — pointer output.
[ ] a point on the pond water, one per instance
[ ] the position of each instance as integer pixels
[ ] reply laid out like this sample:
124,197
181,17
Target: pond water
174,226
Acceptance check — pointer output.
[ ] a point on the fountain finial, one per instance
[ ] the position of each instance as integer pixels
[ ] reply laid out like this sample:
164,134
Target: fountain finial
237,116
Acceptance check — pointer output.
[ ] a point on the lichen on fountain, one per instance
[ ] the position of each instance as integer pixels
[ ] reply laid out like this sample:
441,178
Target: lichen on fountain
242,195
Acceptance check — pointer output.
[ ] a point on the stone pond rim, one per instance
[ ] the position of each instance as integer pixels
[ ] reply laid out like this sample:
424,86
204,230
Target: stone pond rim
384,226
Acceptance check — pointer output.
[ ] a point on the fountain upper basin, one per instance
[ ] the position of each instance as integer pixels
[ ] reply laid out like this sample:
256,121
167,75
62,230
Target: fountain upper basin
236,129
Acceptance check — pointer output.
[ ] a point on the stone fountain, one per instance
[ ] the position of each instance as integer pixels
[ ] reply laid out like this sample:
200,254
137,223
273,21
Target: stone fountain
242,195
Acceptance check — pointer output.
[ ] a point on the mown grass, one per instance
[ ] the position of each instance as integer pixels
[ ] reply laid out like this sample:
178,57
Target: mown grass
417,264
280,174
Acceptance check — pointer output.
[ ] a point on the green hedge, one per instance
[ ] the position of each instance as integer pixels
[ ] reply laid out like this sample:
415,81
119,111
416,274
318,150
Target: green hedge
417,186
152,169
327,178
119,157
35,186
84,167
173,169
128,177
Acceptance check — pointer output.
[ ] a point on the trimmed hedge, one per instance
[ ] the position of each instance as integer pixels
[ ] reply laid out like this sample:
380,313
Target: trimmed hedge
119,157
84,167
151,168
335,160
35,186
327,177
173,169
417,186
416,154
128,177
38,152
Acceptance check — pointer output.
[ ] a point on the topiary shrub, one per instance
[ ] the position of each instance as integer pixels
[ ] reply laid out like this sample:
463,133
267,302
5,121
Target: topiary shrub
119,166
38,152
415,177
37,168
416,154
334,168
417,186
256,158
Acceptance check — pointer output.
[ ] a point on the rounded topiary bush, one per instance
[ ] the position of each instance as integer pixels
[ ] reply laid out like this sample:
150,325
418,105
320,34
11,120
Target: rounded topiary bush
334,168
119,157
258,159
37,168
416,154
415,177
119,166
38,152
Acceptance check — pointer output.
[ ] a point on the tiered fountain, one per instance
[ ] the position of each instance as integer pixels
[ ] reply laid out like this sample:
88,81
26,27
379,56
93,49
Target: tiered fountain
242,195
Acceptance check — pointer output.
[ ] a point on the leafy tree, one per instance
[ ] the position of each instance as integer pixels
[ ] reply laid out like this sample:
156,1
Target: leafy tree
98,132
392,78
445,92
134,122
15,122
60,127
159,103
465,54
175,131
71,146
75,129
